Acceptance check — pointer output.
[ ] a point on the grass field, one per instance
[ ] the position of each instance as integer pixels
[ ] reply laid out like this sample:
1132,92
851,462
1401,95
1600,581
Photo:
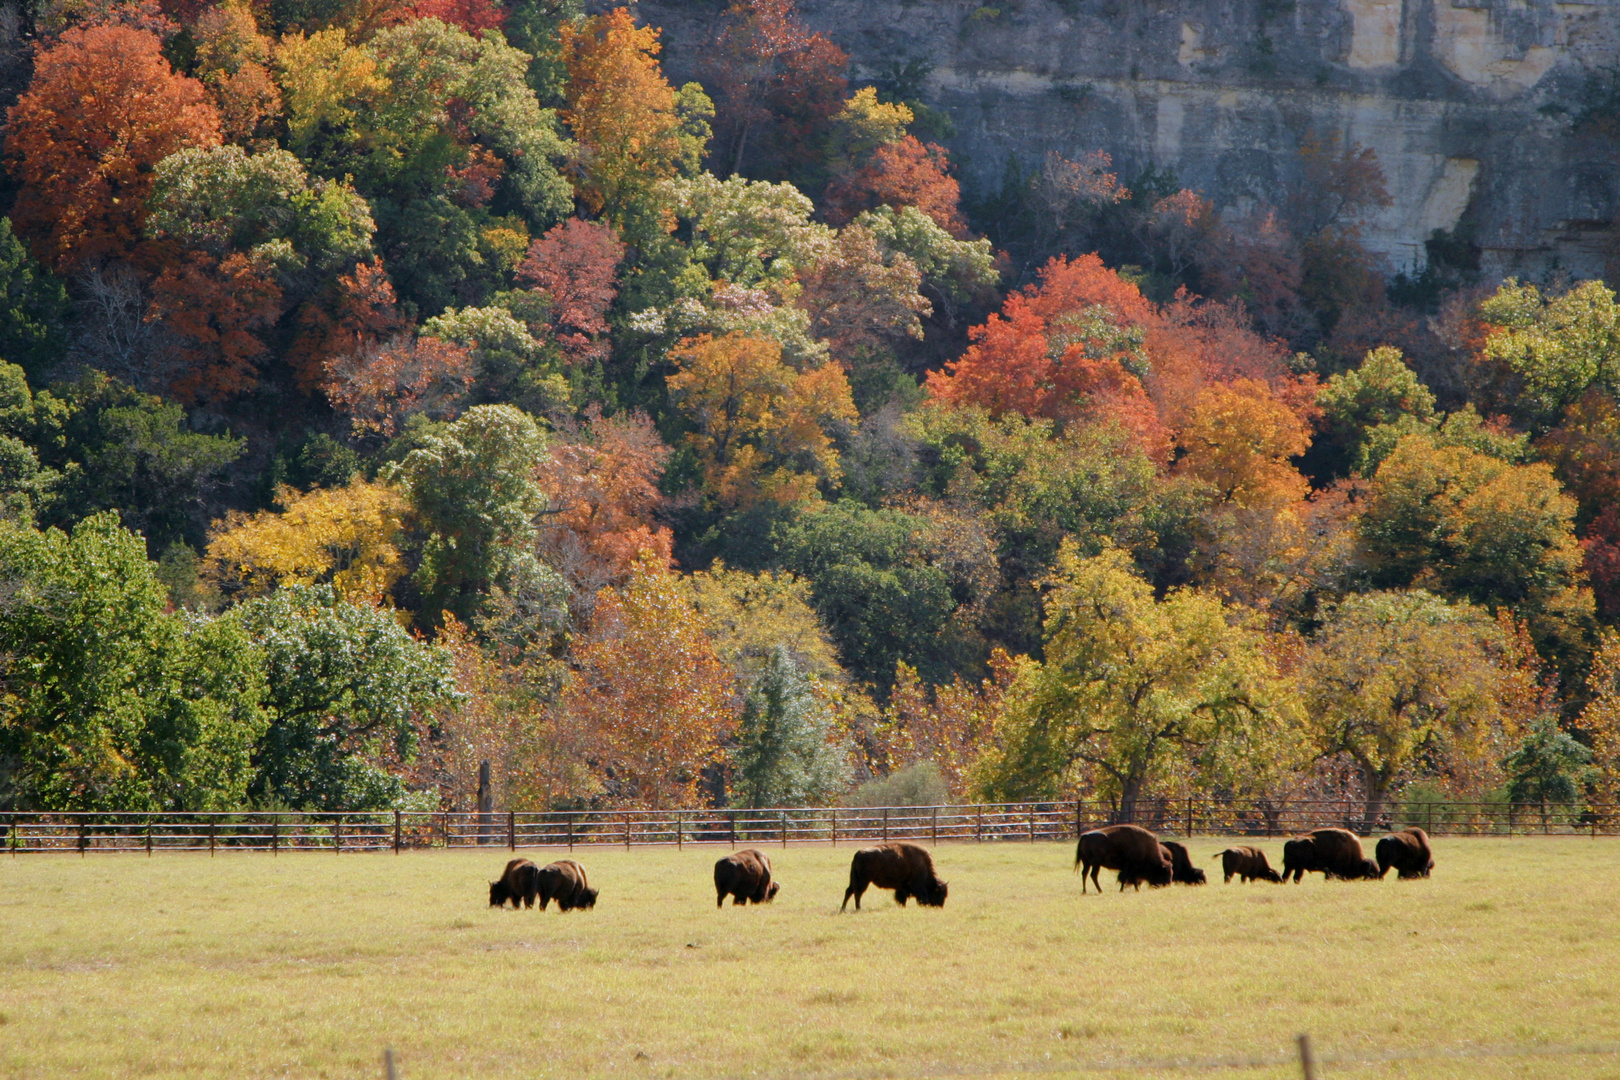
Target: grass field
309,965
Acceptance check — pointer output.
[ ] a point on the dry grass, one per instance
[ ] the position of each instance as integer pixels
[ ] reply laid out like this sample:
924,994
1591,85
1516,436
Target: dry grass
308,965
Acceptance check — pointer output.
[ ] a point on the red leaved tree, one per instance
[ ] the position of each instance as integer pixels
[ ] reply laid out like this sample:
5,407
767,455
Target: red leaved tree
103,109
380,384
215,309
574,265
603,492
473,16
359,309
902,173
1067,349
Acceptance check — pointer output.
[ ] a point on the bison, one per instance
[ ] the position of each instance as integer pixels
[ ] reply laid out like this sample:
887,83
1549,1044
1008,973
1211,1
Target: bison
1130,849
564,881
1407,851
1182,871
519,883
905,868
1249,864
744,876
1335,853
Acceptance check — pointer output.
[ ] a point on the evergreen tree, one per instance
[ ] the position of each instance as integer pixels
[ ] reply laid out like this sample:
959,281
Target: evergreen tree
786,755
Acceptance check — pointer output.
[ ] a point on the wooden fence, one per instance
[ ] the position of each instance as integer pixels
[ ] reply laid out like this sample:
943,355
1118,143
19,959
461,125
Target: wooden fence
978,823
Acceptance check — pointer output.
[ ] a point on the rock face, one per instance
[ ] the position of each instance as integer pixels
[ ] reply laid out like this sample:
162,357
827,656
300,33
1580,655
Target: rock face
1471,105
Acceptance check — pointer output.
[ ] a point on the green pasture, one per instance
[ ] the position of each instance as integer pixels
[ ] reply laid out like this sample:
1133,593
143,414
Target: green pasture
308,965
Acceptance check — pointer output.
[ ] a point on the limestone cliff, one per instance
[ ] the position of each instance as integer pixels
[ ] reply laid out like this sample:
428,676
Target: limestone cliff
1469,103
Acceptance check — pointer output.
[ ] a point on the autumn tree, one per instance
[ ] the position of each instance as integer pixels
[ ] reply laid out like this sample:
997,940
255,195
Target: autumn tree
233,62
1600,718
1136,693
381,384
573,268
950,725
748,616
858,296
1068,349
631,127
1238,441
473,16
654,698
602,495
1382,391
103,109
763,430
777,87
899,174
346,537
1403,681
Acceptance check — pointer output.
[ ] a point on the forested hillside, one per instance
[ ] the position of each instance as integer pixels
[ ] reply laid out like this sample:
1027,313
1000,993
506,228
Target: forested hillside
393,387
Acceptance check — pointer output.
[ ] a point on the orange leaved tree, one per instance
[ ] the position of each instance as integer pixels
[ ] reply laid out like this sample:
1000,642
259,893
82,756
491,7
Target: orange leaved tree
104,108
650,691
574,265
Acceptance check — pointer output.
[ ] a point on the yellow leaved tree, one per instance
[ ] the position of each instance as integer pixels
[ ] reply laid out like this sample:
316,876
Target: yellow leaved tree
347,537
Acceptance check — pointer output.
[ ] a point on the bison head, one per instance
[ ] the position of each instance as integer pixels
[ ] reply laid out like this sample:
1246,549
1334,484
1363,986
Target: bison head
1268,874
934,894
1194,876
770,894
585,899
1369,870
498,894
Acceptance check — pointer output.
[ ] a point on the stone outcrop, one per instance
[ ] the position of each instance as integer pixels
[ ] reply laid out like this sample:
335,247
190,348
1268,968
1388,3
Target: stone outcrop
1471,105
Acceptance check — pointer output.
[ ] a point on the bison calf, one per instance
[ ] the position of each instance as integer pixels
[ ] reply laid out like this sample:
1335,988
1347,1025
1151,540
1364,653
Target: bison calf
1407,852
744,876
1129,849
1248,864
1182,871
905,868
519,883
564,881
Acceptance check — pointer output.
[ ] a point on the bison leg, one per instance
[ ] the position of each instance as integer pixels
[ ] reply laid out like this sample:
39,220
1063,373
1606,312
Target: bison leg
901,896
720,898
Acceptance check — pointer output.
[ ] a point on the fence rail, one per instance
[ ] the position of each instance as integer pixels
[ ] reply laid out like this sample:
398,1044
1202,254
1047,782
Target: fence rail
977,822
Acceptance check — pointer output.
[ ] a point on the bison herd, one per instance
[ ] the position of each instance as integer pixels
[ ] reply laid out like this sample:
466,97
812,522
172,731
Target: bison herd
1137,857
1140,858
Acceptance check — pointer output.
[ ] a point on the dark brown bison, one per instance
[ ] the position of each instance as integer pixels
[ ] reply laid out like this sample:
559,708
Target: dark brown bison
1407,851
1130,849
905,868
564,881
1249,864
1182,871
745,876
519,883
1335,853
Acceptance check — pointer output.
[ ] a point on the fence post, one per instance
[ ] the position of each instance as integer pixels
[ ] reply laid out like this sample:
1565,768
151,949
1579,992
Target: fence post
627,830
733,819
396,832
1189,816
570,832
678,816
1307,1060
835,827
978,823
1078,827
210,838
148,837
935,833
885,823
511,830
275,834
84,837
337,835
1032,823
784,828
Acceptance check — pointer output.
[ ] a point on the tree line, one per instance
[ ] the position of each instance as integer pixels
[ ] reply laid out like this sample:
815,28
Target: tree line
392,387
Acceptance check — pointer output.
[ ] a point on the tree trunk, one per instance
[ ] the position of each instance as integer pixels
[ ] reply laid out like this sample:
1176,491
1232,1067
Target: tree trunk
1376,783
1130,793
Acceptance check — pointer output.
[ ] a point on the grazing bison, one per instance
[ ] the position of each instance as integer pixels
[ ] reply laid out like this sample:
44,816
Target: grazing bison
1130,849
564,881
1407,851
519,883
1335,853
744,876
1182,871
905,868
1249,864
